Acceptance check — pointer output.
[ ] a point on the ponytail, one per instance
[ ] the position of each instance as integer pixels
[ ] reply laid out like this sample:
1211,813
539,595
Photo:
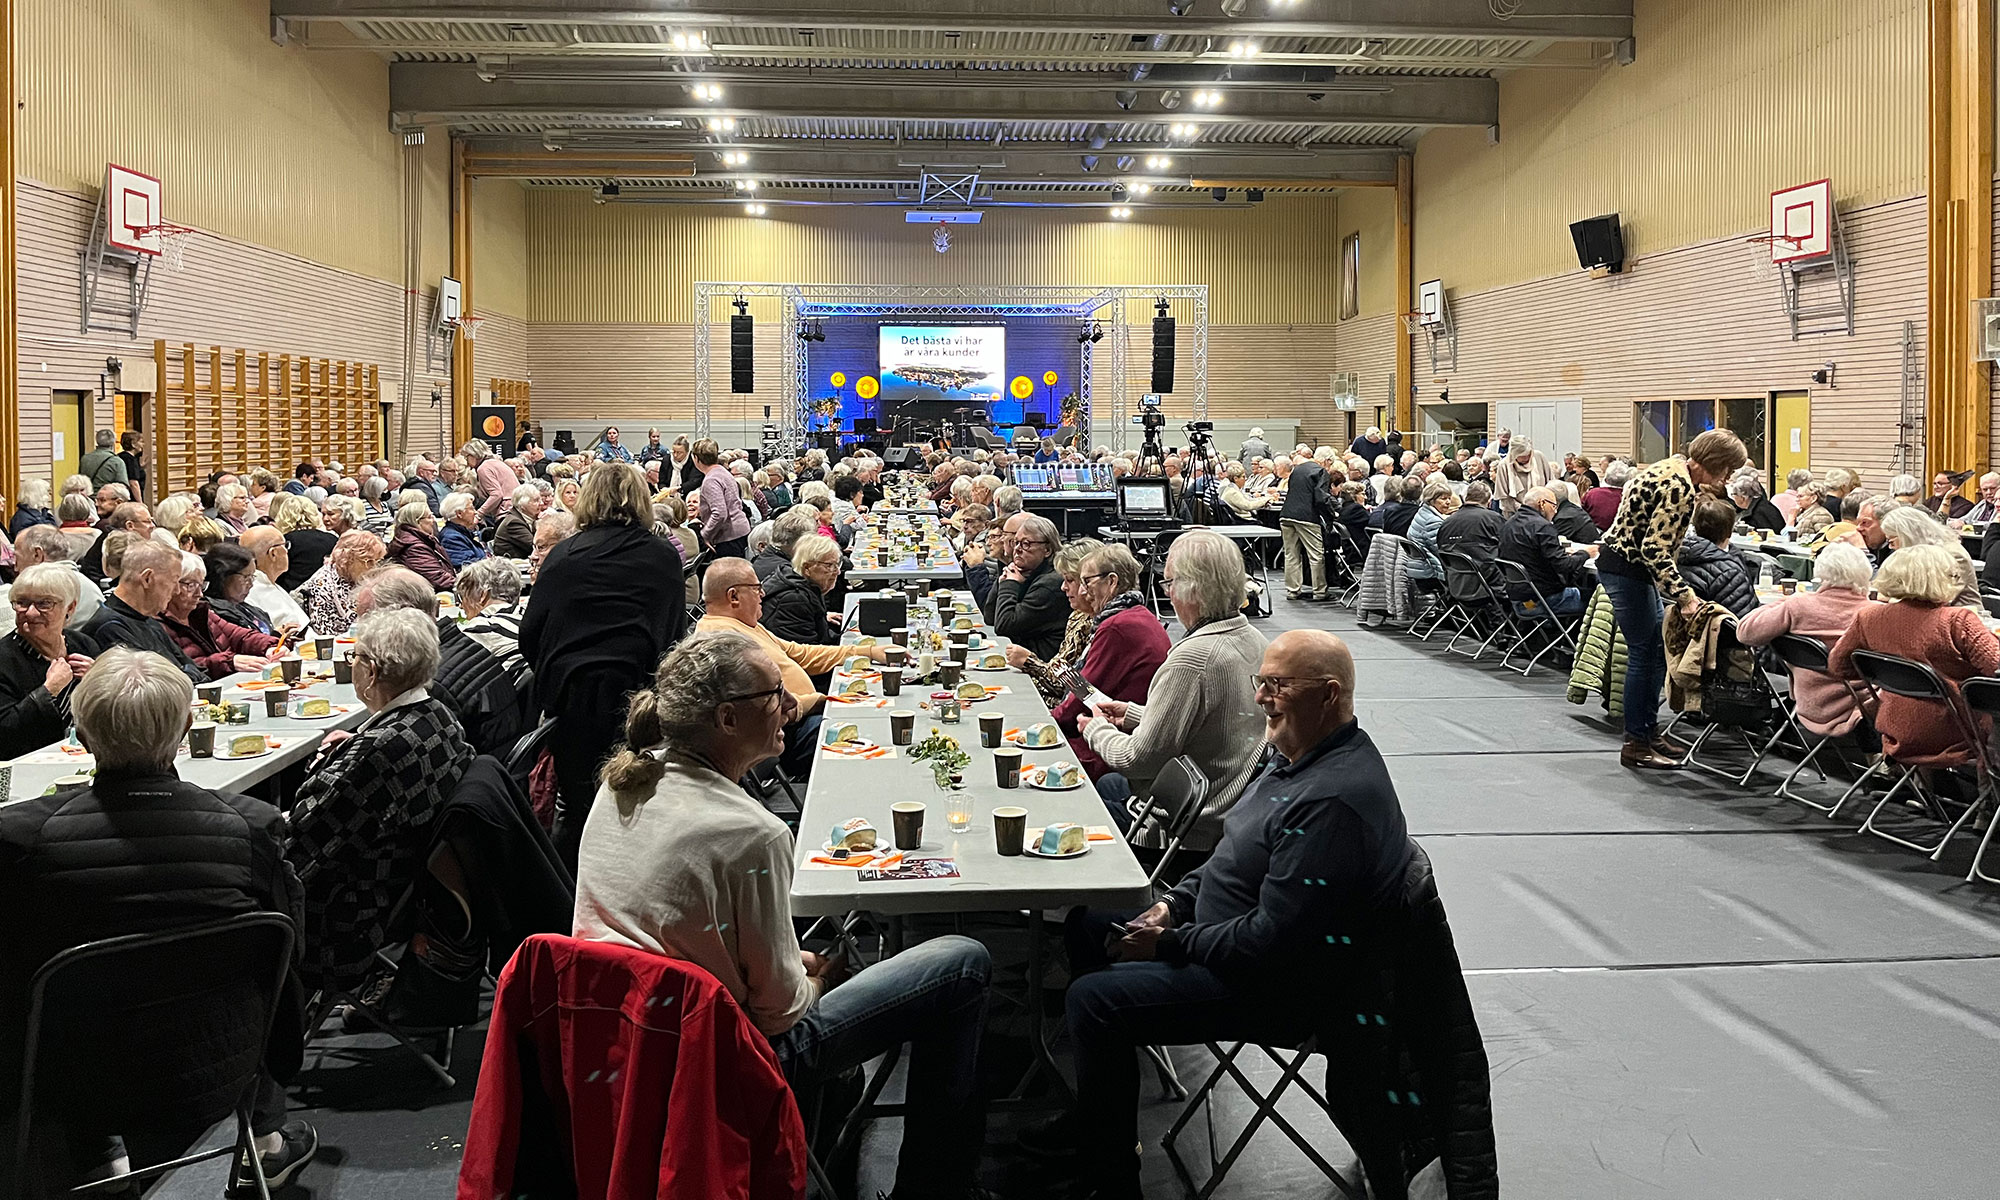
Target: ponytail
632,769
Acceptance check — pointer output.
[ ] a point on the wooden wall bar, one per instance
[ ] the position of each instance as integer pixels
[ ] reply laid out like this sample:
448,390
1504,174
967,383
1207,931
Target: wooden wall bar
231,408
514,392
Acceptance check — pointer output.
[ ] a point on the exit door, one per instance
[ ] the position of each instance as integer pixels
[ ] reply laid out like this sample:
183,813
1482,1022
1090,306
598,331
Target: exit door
1554,426
1791,436
66,445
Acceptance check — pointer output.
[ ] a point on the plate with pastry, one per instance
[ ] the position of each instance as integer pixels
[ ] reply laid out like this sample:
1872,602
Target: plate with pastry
1043,735
989,660
315,708
244,745
855,835
1062,839
1056,777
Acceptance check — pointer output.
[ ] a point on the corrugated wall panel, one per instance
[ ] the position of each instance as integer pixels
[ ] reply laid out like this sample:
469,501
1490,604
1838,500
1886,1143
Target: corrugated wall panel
230,294
602,264
1367,347
280,146
501,350
1725,102
499,248
1701,323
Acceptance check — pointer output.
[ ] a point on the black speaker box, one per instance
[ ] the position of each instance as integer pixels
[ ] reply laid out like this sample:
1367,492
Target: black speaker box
1163,355
902,458
742,353
877,615
1599,243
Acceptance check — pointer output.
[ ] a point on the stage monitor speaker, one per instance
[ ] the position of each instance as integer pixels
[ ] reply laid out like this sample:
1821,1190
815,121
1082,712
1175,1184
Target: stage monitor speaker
1600,243
902,458
742,354
1163,355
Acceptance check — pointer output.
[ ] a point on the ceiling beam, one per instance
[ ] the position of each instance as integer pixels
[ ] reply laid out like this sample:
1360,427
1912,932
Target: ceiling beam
446,93
1582,20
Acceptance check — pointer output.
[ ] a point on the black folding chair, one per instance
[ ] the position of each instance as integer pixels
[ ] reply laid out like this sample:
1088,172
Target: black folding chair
1802,655
1465,579
1917,681
1292,1061
1170,807
1556,629
1983,696
145,1033
520,761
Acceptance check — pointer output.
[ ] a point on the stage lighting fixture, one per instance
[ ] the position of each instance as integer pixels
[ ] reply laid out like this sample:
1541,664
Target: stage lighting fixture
1220,194
1158,162
747,185
742,306
1143,189
609,189
754,209
1096,332
1254,195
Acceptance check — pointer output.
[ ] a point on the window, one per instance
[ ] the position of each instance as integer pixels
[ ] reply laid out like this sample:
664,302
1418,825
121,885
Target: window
1350,276
1664,427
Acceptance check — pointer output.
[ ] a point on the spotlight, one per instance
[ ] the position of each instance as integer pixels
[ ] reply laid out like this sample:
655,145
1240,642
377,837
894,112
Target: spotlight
1143,189
1096,332
1208,99
1183,130
726,124
1220,194
1120,213
708,91
1243,49
1254,195
1158,162
680,41
734,158
754,209
747,185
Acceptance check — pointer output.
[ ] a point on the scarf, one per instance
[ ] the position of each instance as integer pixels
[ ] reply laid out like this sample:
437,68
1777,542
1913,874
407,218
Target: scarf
1118,604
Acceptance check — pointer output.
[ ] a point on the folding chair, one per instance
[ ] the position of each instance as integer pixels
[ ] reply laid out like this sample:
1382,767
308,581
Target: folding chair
1293,1061
109,1040
1560,628
1798,566
520,761
1737,709
1153,565
1809,655
1171,806
1917,681
1983,696
1465,579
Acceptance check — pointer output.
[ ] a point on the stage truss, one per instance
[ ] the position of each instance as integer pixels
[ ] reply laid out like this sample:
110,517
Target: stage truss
1110,307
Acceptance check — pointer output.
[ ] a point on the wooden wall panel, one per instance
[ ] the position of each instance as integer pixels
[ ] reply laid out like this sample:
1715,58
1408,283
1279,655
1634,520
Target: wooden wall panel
501,350
1699,322
230,293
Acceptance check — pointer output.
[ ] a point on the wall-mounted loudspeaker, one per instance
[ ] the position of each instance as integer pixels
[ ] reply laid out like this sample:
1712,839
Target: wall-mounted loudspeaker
742,354
1163,354
1600,244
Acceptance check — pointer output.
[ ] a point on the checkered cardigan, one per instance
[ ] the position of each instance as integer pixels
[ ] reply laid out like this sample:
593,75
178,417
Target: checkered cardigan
361,829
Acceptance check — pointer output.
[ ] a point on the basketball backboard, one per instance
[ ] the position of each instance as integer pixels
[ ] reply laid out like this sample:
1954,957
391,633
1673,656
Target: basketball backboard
1430,302
450,301
132,211
1802,222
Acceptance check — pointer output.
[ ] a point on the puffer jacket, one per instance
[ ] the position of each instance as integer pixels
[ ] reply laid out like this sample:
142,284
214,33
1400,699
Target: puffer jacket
491,700
1600,660
423,553
1416,1086
795,610
1384,588
1424,536
1717,574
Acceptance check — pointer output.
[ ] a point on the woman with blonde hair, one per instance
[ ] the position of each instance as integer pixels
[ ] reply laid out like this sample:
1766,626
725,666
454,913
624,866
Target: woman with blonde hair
607,603
307,539
670,516
199,535
1924,626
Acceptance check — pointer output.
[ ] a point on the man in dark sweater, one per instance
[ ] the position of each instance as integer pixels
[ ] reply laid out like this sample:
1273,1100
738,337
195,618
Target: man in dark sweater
131,613
1529,539
1243,948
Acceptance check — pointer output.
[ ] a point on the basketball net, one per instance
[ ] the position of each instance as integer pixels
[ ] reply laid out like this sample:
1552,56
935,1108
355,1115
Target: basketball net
469,326
1762,247
173,240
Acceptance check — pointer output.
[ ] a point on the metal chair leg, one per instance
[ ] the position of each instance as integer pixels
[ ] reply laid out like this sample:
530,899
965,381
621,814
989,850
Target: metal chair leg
1171,1087
1934,852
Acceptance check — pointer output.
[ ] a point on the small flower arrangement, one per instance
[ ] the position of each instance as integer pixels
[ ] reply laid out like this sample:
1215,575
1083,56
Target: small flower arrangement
946,758
825,406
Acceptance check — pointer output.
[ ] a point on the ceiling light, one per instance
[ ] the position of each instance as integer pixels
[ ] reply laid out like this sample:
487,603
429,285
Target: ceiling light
1158,162
748,185
708,91
1183,130
1243,49
680,41
754,209
1143,189
726,124
1120,212
734,158
1207,99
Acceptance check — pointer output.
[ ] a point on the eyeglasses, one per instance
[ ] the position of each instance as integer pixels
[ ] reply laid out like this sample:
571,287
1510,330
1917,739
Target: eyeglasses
1020,541
24,604
1087,580
190,585
1167,582
1280,685
776,691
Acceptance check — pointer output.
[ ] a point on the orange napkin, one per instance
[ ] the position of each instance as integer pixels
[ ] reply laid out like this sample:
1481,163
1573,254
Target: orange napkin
851,751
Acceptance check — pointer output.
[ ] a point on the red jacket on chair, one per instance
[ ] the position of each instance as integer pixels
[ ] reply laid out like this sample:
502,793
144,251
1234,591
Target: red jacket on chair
617,1073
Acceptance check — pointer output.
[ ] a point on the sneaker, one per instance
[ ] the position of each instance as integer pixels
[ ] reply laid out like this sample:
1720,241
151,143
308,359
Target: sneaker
300,1142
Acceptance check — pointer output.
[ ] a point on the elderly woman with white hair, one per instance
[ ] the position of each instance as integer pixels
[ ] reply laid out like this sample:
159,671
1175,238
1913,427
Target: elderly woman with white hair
233,508
1914,525
361,823
1753,505
32,508
329,596
40,661
1201,701
1841,576
1793,499
416,546
797,597
459,534
490,593
218,646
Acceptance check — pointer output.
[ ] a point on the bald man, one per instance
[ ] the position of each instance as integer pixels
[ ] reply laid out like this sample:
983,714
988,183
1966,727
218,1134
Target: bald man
1243,949
130,615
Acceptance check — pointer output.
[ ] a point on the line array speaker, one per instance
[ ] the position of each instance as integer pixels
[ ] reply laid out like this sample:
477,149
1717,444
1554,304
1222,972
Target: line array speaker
742,354
1163,354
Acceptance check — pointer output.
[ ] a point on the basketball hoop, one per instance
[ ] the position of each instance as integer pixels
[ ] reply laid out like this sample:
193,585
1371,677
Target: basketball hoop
469,326
173,241
1414,322
1764,251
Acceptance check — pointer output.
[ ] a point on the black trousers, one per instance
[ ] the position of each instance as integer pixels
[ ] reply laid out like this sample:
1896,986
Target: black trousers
590,724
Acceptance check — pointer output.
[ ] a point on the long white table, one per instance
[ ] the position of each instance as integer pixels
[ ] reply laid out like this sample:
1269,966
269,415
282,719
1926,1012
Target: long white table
943,565
32,773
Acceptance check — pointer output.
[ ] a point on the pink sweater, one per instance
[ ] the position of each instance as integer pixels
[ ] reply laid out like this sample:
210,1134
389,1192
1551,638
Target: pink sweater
1952,641
1826,705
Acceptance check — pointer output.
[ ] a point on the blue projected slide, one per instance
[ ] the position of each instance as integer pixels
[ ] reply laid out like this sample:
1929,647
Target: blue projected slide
962,363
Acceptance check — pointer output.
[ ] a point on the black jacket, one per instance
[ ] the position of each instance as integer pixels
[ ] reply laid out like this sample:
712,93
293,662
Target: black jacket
1352,515
1529,538
493,704
767,563
1308,494
795,610
30,718
1473,531
308,548
119,624
609,598
1762,515
1574,523
514,879
1394,517
134,853
514,537
1033,612
1717,574
1989,558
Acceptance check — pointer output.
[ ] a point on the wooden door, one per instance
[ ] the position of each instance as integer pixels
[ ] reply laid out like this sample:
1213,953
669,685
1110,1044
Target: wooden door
66,435
1791,435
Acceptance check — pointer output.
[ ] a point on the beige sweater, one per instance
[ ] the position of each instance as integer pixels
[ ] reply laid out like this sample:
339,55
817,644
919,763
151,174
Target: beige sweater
700,872
1202,706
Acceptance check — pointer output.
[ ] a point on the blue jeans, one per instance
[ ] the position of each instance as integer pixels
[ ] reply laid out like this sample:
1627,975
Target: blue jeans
1566,603
932,996
1115,790
1636,602
1113,1009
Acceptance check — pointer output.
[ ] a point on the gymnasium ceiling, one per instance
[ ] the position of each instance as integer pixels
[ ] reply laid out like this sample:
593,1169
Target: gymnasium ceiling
934,103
